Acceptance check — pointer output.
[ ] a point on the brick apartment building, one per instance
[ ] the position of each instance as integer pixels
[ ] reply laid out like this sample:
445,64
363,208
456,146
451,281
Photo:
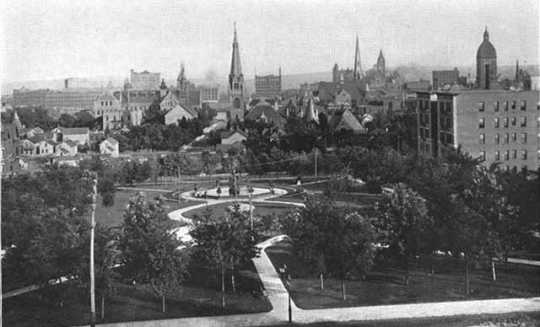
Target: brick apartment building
497,126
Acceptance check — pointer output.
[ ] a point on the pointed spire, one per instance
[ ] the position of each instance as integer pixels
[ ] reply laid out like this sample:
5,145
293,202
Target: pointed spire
486,34
182,74
236,67
358,73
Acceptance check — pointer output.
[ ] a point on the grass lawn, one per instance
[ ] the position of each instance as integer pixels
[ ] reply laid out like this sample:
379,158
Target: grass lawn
384,284
113,216
501,320
197,297
261,209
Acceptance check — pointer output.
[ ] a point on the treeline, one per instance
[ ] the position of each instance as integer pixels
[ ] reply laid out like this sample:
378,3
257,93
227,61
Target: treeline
39,117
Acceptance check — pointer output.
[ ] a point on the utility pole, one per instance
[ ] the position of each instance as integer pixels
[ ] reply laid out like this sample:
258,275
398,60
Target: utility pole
315,162
92,231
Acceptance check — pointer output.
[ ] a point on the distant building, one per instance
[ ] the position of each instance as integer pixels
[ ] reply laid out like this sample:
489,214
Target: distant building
135,103
496,126
109,107
66,148
441,78
345,120
486,64
264,112
109,146
418,86
144,80
268,86
178,113
29,98
209,93
79,135
70,101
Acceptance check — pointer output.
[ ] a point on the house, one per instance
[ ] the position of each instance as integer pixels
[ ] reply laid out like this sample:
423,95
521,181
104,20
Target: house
79,135
345,120
34,132
110,147
264,112
45,147
178,113
28,147
66,148
233,137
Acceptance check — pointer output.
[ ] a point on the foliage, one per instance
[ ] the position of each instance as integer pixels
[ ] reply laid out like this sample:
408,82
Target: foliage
149,249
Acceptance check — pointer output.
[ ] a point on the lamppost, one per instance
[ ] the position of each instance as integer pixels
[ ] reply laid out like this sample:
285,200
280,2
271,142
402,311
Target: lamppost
286,277
93,177
250,192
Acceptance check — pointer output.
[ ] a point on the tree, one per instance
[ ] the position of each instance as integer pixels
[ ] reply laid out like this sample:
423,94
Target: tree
224,242
150,251
352,251
403,218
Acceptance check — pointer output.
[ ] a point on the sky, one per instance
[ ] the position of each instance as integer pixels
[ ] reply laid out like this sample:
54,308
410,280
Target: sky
70,38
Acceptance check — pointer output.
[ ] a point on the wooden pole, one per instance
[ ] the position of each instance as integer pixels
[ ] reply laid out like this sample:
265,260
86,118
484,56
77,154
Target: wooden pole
92,276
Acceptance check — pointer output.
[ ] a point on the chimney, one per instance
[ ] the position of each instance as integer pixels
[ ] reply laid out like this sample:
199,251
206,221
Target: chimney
66,83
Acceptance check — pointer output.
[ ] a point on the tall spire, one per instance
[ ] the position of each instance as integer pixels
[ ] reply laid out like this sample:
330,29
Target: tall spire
486,34
236,67
358,73
381,63
236,78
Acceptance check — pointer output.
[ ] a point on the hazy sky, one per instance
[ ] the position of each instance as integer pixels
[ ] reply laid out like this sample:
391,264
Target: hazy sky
58,39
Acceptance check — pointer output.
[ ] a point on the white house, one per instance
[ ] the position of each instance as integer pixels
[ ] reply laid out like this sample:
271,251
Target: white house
67,148
110,147
45,147
233,137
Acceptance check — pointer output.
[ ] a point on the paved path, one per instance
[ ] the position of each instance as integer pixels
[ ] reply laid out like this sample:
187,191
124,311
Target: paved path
278,296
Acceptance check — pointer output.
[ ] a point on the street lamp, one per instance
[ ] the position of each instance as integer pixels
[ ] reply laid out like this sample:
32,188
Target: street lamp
250,192
286,277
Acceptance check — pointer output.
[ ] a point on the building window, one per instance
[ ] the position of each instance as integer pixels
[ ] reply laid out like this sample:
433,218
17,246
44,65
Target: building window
523,121
523,105
496,122
523,154
482,138
481,123
497,138
505,105
514,137
513,104
481,106
538,154
483,155
514,121
514,154
496,106
523,138
505,122
506,138
497,155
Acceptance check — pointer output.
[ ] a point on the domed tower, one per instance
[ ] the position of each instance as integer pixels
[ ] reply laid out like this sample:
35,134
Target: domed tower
486,64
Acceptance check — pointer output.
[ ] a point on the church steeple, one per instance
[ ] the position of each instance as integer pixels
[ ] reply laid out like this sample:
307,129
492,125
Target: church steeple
236,78
486,34
358,73
181,80
381,63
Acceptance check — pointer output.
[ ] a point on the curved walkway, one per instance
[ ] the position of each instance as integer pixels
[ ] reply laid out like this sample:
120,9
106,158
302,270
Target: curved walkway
278,296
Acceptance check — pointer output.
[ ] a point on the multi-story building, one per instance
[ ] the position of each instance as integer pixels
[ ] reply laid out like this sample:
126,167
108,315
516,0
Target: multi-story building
496,126
144,80
441,78
70,101
209,93
108,106
268,86
29,98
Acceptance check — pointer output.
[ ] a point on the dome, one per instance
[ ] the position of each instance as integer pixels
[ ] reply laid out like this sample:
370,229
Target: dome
486,49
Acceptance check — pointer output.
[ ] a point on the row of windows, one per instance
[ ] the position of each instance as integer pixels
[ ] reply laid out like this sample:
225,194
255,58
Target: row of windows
506,155
497,122
106,103
506,140
506,105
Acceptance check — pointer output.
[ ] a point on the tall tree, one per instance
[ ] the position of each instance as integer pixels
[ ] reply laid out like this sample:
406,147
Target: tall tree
150,251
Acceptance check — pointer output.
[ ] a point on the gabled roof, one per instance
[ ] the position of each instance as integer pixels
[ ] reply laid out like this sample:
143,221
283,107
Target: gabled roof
346,120
227,134
266,112
106,96
110,140
74,130
190,111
